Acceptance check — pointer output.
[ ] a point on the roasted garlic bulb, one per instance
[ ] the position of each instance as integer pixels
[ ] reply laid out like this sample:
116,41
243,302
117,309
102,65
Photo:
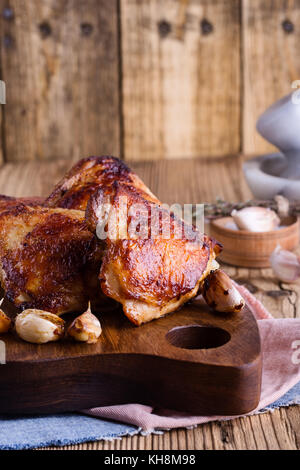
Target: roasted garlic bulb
256,219
39,327
5,322
86,328
220,294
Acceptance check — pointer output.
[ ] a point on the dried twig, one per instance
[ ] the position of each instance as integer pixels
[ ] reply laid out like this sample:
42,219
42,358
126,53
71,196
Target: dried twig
223,208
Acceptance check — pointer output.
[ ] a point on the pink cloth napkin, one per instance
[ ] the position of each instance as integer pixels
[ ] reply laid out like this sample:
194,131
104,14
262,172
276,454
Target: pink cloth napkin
281,371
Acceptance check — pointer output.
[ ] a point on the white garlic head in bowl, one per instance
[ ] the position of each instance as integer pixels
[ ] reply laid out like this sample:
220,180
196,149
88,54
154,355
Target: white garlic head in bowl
256,219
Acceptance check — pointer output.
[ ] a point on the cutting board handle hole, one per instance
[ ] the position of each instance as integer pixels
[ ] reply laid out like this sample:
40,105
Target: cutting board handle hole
197,337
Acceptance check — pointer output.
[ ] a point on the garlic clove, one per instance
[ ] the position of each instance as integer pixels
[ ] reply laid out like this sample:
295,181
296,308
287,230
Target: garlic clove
5,322
214,265
256,219
86,328
39,327
285,265
231,225
220,294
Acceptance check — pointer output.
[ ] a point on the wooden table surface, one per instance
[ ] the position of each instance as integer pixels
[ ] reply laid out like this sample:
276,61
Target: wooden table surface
191,181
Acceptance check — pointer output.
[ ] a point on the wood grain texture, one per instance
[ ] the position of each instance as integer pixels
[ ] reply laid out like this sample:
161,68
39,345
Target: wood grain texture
193,361
271,62
253,249
2,135
276,431
192,181
60,63
190,80
181,78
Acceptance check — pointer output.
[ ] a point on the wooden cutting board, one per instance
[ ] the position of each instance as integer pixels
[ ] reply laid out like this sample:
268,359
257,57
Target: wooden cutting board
194,360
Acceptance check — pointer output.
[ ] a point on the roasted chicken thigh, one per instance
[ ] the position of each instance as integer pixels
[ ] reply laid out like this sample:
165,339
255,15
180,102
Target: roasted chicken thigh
7,202
89,175
150,268
103,236
149,276
47,257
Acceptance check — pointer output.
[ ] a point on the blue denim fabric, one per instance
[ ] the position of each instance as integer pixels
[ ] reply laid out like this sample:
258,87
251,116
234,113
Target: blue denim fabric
64,429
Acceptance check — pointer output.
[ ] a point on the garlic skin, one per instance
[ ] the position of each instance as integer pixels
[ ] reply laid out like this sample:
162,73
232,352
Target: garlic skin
214,265
39,327
285,265
256,219
5,323
86,328
220,294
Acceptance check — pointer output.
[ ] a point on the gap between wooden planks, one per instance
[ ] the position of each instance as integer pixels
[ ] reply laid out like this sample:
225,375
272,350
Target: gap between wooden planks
191,181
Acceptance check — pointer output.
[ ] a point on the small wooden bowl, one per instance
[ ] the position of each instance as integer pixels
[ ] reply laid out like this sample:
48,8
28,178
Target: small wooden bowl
253,249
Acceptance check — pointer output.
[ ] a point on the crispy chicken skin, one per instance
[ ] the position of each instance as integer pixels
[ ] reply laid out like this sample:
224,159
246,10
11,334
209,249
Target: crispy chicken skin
50,256
46,258
7,202
149,274
87,176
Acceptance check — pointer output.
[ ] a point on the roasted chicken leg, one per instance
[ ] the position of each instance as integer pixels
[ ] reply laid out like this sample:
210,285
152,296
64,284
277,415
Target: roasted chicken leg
7,202
89,175
102,221
47,258
148,273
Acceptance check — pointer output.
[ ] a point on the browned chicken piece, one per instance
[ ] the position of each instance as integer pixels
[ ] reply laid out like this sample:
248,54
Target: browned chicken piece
7,202
50,257
47,258
87,176
81,181
148,273
149,277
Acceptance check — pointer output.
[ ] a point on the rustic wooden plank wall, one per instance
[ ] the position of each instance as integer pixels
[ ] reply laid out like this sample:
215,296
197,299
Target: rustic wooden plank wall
60,61
144,79
181,78
271,35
